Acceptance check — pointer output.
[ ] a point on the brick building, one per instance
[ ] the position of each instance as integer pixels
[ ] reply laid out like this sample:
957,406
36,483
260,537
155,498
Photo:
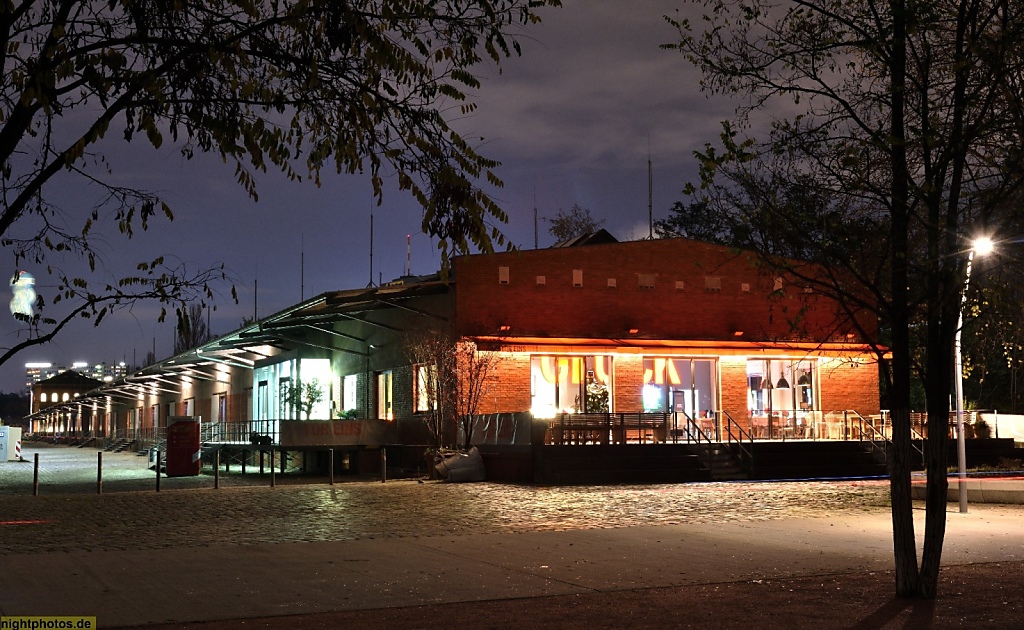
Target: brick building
669,325
692,331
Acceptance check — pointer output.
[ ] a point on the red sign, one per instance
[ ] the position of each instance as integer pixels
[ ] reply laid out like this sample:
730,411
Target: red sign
184,450
336,432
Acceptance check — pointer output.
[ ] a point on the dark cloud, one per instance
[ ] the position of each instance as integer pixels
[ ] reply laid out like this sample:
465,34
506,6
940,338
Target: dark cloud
572,121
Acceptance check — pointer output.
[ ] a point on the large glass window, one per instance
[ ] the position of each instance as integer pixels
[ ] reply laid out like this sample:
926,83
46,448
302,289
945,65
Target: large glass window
348,395
782,386
680,385
425,393
570,384
385,399
782,398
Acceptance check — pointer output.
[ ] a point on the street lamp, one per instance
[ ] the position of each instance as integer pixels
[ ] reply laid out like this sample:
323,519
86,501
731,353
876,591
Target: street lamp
980,246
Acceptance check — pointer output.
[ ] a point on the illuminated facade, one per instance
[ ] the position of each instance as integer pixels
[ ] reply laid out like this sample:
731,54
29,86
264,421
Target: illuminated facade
667,326
673,327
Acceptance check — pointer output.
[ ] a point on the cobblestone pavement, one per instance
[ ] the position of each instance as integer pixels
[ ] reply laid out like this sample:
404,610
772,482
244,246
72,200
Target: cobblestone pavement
64,470
188,517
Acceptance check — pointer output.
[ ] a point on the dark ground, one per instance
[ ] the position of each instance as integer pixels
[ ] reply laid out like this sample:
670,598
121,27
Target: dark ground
970,596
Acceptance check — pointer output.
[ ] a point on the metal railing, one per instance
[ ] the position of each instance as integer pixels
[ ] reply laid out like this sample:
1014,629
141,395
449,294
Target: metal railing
743,439
868,432
611,428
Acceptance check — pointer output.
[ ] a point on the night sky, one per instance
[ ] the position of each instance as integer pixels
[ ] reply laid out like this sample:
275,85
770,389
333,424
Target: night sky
572,121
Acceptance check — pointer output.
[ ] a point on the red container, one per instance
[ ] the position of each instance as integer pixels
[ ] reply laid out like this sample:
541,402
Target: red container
183,447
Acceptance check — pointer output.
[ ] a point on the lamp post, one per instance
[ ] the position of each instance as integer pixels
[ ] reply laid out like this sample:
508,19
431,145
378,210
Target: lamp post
980,246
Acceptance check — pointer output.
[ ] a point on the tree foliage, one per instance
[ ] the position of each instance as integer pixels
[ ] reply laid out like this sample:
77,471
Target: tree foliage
901,140
302,396
192,330
576,222
454,376
433,357
295,86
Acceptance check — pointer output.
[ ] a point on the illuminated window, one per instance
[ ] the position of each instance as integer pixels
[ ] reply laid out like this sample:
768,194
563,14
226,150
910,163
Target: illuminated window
570,384
385,400
66,397
42,397
577,277
425,392
348,392
680,385
784,386
645,280
502,275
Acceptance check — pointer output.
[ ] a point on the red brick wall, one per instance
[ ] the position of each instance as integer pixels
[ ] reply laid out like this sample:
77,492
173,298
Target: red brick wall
733,371
508,389
594,310
628,384
849,384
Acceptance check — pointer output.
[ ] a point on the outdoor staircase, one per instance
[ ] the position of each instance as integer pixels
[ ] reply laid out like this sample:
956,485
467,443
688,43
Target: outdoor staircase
723,463
118,445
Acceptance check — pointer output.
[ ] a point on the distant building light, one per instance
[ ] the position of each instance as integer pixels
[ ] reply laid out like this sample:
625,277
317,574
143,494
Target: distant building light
108,378
79,364
38,366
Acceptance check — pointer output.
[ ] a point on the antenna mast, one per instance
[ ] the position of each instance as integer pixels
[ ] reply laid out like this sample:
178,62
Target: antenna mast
371,245
302,268
408,254
535,216
650,191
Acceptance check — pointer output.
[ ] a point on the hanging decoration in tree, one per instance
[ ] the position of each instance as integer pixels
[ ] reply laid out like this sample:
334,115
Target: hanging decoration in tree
23,294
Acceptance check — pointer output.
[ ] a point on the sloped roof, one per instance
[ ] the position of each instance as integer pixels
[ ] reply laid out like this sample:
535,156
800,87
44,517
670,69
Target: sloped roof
600,237
70,379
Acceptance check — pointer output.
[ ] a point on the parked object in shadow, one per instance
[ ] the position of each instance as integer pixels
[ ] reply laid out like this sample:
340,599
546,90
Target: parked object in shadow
463,467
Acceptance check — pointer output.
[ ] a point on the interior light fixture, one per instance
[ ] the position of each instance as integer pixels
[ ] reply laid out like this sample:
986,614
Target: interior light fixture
634,331
783,383
737,333
504,328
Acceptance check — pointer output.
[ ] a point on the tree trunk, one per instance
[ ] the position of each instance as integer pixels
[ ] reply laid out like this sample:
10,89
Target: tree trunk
903,539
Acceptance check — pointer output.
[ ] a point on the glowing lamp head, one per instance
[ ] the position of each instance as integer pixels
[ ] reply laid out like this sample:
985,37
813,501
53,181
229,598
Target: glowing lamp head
983,245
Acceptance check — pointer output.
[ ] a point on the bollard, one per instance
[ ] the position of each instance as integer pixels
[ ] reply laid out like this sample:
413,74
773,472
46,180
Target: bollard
216,469
159,457
35,476
284,461
262,453
273,475
330,464
245,458
99,472
383,464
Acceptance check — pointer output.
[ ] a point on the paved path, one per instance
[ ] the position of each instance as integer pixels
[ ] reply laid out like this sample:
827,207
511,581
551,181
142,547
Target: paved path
202,554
